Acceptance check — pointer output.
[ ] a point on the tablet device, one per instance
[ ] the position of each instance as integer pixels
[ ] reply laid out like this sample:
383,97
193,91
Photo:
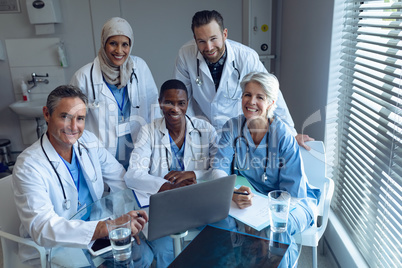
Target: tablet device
101,245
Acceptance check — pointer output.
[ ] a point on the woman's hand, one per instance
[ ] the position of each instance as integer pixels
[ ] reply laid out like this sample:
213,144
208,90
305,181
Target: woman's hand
243,201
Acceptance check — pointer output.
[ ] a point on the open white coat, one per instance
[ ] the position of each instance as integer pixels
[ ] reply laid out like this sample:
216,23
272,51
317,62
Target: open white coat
149,160
218,106
103,120
39,196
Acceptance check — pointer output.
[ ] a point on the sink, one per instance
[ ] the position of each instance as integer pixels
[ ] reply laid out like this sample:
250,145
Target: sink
32,109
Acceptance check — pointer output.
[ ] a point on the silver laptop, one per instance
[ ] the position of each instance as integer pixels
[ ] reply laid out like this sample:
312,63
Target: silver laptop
181,209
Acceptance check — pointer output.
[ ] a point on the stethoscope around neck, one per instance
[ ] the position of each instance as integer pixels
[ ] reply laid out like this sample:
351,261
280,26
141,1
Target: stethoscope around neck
199,81
66,202
95,103
201,158
235,164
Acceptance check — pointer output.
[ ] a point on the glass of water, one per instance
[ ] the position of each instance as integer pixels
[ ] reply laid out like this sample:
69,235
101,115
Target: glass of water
120,237
279,202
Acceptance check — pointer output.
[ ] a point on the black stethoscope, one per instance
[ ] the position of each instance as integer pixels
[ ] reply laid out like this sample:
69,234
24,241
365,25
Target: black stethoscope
202,157
95,103
66,202
236,161
199,81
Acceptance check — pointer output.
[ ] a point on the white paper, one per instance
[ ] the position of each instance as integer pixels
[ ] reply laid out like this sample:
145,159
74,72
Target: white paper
256,216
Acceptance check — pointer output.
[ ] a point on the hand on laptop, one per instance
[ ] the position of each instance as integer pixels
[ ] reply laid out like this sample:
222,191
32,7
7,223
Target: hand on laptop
178,179
243,200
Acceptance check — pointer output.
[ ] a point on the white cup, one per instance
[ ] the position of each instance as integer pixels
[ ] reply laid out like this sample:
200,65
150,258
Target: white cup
120,237
279,202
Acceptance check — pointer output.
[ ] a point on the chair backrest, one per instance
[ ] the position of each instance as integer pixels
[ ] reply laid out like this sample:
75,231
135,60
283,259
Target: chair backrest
314,167
9,229
11,222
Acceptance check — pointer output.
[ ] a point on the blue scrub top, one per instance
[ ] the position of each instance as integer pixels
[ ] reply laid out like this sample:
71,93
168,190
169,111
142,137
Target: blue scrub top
177,155
84,196
124,143
283,162
284,168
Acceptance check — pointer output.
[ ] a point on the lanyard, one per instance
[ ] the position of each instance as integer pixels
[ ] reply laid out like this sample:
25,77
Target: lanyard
121,106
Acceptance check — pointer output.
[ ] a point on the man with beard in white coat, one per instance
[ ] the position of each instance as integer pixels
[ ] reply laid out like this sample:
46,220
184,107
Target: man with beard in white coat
212,66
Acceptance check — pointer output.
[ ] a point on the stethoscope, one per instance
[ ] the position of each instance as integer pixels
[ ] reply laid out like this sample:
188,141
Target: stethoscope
199,81
201,158
95,103
66,202
236,161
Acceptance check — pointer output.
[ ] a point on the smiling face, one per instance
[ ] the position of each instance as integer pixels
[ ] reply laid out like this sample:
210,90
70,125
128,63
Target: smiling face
66,124
210,40
117,49
174,107
255,101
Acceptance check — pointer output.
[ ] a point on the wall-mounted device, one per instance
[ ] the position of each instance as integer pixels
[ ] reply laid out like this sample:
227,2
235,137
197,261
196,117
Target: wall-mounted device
44,14
258,29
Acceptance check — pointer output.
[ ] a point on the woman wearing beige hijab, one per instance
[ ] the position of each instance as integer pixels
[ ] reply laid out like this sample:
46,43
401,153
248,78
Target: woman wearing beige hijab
121,91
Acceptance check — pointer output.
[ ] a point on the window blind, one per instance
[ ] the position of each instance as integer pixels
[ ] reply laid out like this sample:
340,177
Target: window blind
364,129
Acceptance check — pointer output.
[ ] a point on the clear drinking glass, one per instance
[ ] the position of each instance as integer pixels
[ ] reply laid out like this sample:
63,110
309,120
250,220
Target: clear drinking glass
279,202
120,237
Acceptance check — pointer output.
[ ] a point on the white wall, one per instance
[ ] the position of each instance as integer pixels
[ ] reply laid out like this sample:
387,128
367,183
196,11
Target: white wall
161,27
304,62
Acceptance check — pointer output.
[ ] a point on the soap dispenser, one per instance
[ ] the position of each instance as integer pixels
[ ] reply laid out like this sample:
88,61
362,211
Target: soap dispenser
24,88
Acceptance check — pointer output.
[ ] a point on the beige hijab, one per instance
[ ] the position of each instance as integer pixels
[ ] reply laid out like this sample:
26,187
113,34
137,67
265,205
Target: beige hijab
116,75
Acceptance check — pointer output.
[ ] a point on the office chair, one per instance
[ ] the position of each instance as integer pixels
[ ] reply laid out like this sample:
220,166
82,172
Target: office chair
9,229
314,167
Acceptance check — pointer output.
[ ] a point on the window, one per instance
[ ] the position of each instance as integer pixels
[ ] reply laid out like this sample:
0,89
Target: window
364,127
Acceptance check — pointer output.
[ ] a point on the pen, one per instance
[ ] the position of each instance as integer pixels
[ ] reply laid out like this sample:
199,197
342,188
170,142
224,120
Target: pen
242,193
139,215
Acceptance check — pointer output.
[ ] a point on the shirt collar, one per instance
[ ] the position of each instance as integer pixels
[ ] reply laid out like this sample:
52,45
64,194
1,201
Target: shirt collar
220,62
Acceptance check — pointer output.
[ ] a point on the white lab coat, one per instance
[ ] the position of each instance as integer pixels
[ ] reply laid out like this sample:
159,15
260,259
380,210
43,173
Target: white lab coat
39,196
219,106
152,153
103,120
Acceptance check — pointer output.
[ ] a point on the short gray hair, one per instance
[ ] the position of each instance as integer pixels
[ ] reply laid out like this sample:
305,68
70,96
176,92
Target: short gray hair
268,82
61,92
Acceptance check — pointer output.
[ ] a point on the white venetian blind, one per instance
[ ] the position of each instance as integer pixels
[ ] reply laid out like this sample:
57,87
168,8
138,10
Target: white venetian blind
365,129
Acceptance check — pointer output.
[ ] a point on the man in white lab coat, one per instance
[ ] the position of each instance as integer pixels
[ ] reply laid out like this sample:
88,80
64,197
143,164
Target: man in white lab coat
212,67
63,172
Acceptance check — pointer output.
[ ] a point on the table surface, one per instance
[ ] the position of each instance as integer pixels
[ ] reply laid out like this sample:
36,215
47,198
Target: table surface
124,201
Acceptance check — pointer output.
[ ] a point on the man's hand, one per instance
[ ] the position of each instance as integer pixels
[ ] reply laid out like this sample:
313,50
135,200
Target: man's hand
177,179
179,176
301,139
138,220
